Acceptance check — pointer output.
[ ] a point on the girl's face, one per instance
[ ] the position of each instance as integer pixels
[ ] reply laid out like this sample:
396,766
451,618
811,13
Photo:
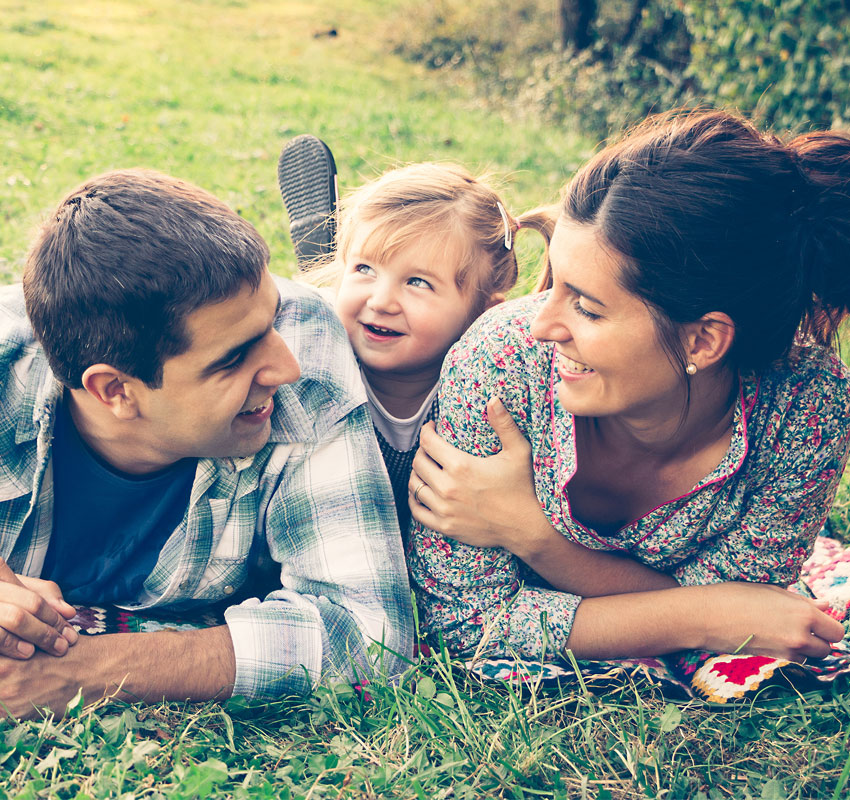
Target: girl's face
402,312
609,357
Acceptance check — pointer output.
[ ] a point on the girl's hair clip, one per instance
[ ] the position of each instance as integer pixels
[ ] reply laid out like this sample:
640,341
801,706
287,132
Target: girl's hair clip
509,236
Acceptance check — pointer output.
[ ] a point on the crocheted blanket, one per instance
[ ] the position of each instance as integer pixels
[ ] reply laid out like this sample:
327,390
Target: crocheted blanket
715,678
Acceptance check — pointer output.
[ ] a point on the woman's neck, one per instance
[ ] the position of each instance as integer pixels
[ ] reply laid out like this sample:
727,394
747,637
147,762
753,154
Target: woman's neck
401,395
705,419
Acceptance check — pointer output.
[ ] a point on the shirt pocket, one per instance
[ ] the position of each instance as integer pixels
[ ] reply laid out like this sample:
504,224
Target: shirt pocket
227,566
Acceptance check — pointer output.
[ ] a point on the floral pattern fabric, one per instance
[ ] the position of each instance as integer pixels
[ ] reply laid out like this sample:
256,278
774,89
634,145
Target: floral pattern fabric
754,517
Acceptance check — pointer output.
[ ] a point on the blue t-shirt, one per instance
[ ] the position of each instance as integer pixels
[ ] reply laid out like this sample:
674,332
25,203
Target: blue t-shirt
108,527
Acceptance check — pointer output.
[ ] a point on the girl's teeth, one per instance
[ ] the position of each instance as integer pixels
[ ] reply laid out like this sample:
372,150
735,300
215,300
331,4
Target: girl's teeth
382,331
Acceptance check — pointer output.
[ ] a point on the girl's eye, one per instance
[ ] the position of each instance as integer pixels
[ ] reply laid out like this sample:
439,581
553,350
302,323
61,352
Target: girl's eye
363,269
419,282
584,312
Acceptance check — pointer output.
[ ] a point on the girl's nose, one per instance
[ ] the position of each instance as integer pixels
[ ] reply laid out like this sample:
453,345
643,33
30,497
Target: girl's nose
384,298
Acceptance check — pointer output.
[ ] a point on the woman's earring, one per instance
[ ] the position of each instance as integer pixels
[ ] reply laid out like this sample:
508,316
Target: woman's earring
691,369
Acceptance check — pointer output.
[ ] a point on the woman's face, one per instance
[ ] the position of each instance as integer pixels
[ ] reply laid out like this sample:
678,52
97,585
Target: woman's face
610,360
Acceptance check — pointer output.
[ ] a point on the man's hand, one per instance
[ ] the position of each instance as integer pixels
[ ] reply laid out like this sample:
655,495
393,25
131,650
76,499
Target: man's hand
33,615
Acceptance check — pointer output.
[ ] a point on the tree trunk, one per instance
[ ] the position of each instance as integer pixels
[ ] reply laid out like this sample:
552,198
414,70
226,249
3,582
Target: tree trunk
576,19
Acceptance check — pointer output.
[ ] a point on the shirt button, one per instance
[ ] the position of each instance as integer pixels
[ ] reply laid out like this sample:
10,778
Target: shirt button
228,590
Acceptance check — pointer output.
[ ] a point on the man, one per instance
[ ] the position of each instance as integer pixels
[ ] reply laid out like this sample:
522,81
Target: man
179,419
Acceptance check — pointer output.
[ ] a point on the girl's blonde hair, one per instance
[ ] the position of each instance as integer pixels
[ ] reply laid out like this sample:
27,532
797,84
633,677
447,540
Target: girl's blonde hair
443,200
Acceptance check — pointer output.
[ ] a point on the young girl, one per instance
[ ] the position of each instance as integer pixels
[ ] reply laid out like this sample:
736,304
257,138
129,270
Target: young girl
421,252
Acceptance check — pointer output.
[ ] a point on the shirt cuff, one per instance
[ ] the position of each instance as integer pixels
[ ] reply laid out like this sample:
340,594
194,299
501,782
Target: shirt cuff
277,645
539,622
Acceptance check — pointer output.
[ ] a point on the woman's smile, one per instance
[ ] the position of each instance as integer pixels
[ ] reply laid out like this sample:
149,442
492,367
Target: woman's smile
569,368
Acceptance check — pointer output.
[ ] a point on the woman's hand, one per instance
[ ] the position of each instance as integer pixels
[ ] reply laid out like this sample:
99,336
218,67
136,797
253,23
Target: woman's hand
722,618
485,502
490,502
767,620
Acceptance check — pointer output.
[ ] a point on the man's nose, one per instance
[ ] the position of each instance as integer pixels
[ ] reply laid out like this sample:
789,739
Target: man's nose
279,365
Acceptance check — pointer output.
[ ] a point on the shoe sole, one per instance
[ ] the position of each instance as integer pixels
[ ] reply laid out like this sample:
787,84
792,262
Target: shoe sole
306,176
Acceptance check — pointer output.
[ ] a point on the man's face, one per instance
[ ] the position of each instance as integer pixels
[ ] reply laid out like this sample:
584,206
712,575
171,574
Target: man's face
216,398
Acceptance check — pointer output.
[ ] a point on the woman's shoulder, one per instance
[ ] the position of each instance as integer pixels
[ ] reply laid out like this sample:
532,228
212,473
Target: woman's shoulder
812,373
809,392
504,330
514,315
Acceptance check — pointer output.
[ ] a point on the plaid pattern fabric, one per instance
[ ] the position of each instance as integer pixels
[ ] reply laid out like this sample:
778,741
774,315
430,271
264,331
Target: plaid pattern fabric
314,500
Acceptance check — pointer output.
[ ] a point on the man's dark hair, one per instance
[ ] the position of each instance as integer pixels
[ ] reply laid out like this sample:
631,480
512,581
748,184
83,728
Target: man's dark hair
118,267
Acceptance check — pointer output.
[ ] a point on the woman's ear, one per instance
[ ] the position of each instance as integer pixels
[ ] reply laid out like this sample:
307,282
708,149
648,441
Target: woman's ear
709,339
112,389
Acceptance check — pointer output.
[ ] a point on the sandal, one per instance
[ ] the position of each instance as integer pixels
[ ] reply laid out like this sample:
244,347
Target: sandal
306,175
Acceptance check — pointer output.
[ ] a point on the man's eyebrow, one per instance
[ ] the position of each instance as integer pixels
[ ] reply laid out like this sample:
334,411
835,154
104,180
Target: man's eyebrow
581,292
240,349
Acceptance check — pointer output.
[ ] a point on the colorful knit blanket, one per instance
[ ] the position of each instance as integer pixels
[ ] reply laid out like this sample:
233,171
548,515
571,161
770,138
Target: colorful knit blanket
711,677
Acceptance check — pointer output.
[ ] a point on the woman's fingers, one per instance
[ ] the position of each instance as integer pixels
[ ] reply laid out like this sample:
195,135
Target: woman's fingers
434,446
506,429
827,628
416,487
425,469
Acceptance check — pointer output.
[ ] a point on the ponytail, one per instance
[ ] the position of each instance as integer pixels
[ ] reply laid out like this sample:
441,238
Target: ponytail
709,214
820,231
543,221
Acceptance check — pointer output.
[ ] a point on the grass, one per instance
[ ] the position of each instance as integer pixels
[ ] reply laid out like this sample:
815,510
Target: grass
210,90
439,734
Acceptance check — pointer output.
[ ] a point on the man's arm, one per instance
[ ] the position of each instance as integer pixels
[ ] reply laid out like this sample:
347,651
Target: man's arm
331,526
166,665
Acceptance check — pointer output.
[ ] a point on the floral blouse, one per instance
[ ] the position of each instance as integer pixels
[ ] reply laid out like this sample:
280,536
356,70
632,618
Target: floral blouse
753,518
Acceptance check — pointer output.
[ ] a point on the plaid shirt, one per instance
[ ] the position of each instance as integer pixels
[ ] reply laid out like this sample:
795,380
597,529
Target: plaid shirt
315,499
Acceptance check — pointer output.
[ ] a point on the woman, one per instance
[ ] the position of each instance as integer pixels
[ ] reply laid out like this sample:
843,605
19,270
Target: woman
681,403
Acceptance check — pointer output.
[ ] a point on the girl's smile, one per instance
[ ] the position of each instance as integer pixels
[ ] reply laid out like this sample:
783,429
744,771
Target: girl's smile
402,310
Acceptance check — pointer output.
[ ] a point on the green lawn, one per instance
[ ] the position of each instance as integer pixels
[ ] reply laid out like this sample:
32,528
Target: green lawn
209,91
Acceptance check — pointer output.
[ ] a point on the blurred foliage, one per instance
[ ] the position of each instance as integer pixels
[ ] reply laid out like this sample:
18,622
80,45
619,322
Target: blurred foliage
786,63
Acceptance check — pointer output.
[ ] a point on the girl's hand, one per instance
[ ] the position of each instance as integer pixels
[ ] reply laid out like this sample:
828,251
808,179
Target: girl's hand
485,502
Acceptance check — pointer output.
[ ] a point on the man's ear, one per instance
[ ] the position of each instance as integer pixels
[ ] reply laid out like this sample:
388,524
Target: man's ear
113,389
709,339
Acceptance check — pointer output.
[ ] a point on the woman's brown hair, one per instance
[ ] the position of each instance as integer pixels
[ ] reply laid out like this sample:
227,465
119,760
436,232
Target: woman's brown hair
710,214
